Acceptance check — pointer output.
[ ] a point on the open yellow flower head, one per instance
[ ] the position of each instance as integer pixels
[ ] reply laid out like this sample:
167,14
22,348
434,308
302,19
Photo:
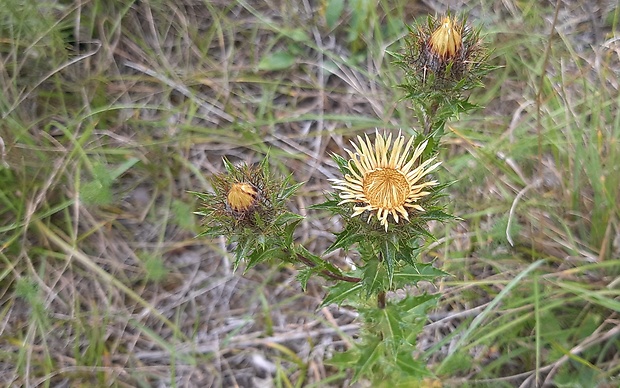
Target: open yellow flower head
386,179
241,196
446,40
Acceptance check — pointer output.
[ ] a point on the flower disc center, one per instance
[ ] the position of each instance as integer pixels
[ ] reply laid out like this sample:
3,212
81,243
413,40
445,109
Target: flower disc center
386,188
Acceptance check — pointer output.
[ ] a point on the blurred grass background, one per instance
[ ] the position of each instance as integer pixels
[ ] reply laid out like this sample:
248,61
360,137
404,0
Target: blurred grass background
113,110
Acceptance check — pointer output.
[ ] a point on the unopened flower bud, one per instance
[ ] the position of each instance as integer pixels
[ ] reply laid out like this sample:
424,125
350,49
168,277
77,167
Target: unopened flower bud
446,40
241,197
446,55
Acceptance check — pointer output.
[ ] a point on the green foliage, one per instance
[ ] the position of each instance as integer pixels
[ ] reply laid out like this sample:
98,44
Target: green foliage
333,11
28,290
343,291
183,215
389,335
155,268
360,15
98,191
279,60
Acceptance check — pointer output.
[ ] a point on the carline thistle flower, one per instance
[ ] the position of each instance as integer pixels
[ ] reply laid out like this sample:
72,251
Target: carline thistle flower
241,196
446,40
385,179
248,205
245,196
441,53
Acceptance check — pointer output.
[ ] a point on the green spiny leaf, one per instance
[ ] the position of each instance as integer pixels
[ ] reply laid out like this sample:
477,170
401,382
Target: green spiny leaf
389,259
242,251
392,326
319,263
343,164
374,278
370,354
330,205
303,275
345,359
413,273
261,255
409,252
341,292
230,168
416,305
349,236
213,231
409,366
290,190
289,229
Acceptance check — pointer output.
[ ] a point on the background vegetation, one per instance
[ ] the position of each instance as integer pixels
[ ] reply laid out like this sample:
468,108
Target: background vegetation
113,110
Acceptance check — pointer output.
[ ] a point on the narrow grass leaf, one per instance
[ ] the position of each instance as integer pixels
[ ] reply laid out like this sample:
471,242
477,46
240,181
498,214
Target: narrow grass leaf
597,297
489,309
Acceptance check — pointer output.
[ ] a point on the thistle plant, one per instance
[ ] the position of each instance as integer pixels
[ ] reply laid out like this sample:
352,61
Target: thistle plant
386,197
248,206
443,59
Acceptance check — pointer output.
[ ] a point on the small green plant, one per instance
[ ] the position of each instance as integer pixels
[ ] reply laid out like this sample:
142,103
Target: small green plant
386,197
